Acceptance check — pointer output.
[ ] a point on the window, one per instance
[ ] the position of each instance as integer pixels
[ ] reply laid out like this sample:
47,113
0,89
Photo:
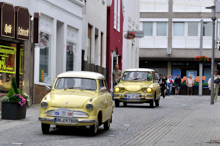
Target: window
148,28
161,29
115,13
70,56
178,28
44,68
101,83
118,27
207,29
193,29
89,48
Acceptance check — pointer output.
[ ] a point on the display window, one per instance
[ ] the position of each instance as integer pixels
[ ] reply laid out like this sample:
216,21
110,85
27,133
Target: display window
44,66
70,56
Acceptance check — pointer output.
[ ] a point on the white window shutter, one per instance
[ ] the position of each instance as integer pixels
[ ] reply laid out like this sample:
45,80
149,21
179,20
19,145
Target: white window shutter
118,28
115,13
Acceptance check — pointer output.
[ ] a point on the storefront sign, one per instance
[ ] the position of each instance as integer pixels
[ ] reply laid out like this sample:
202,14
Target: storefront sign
7,59
7,20
23,23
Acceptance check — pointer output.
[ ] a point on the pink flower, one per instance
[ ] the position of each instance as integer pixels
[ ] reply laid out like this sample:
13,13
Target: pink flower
19,102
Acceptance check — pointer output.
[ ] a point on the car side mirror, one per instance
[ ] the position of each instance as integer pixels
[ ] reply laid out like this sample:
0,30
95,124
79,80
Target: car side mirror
47,88
103,89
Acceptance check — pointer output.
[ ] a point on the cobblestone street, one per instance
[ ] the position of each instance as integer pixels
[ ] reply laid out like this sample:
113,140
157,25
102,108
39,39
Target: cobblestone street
180,120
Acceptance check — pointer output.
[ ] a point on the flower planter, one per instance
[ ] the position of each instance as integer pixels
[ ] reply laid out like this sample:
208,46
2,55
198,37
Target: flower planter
13,111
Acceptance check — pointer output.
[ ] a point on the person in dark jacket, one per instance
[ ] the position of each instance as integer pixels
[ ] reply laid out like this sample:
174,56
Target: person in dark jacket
177,84
162,83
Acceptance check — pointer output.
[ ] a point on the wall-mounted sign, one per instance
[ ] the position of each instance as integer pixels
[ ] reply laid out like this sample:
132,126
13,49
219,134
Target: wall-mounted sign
137,33
7,20
7,59
22,23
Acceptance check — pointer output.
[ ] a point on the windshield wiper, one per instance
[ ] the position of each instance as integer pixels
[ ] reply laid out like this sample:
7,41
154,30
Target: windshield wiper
87,89
71,88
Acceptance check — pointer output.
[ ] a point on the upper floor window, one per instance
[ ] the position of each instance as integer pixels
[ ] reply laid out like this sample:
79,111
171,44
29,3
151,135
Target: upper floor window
207,29
155,28
193,28
115,13
178,28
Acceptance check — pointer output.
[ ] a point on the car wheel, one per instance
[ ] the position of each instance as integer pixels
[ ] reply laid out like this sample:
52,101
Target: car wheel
107,125
94,128
152,103
116,103
125,103
45,128
157,102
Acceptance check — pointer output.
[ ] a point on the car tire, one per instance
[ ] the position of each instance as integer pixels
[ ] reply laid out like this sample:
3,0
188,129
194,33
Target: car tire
94,128
45,128
116,103
107,125
125,103
152,103
157,102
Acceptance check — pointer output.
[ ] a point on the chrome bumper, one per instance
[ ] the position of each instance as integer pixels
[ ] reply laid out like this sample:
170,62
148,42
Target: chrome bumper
79,120
145,97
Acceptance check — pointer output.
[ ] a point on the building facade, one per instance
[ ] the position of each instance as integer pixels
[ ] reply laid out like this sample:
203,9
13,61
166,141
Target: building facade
57,42
94,36
130,51
114,37
172,36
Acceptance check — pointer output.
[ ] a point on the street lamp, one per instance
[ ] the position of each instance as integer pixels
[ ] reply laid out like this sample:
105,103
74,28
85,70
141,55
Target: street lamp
213,52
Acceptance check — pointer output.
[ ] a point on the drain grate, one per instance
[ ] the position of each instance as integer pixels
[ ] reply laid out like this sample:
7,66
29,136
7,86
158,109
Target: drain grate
214,141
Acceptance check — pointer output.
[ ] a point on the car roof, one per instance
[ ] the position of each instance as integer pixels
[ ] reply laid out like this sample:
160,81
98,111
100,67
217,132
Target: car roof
139,69
82,74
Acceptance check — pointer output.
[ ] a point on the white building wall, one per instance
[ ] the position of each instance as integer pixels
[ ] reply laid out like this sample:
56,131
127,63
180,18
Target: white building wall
130,52
95,14
154,5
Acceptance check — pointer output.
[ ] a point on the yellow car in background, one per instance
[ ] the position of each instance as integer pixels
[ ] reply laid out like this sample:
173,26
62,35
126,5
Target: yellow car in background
77,98
138,86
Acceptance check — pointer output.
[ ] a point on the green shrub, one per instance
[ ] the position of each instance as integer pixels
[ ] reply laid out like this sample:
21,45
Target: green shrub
11,92
14,85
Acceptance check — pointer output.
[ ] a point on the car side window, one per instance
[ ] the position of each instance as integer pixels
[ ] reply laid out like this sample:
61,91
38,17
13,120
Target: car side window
105,84
101,83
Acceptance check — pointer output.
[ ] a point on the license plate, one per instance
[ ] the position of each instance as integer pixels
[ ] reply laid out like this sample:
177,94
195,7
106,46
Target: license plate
66,120
133,97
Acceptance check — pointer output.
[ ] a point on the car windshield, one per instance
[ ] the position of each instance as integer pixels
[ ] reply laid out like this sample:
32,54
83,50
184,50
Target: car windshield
76,83
137,75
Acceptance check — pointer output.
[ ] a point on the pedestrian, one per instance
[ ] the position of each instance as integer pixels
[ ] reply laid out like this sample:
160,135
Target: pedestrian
162,83
216,85
116,76
177,84
156,74
189,84
169,85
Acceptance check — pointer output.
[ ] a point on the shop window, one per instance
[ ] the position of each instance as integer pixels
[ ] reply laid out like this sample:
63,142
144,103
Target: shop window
45,48
89,47
193,29
178,28
148,28
70,56
207,29
7,64
161,29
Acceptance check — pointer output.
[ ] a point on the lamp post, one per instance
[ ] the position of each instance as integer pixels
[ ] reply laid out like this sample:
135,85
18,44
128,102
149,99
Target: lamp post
213,52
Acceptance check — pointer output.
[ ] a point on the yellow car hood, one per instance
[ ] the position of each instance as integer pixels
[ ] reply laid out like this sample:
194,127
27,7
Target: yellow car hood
70,99
133,86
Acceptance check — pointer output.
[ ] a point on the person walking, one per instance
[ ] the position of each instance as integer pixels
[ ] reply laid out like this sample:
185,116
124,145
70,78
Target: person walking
189,84
216,85
116,76
169,85
177,82
162,83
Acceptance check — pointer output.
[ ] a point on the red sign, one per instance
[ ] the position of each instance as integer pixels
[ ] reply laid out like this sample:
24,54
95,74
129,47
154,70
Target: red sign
7,20
129,36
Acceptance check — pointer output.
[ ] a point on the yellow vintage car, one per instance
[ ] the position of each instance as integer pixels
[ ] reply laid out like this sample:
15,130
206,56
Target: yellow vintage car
77,98
138,86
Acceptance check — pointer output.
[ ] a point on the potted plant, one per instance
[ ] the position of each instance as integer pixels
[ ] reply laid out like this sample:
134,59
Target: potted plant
201,59
14,104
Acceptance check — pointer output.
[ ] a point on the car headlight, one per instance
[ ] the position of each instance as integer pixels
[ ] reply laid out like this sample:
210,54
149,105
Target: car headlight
121,90
117,89
89,106
145,90
44,104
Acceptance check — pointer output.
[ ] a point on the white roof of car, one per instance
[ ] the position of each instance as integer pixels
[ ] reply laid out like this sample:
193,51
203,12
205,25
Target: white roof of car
139,69
82,74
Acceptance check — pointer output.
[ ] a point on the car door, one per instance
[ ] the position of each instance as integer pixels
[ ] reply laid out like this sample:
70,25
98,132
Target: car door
156,85
103,99
109,101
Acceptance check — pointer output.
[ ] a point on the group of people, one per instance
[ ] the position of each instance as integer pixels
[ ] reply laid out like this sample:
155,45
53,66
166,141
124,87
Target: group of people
166,85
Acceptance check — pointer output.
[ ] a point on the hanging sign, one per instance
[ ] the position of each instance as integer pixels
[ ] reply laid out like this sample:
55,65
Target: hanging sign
7,20
23,23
